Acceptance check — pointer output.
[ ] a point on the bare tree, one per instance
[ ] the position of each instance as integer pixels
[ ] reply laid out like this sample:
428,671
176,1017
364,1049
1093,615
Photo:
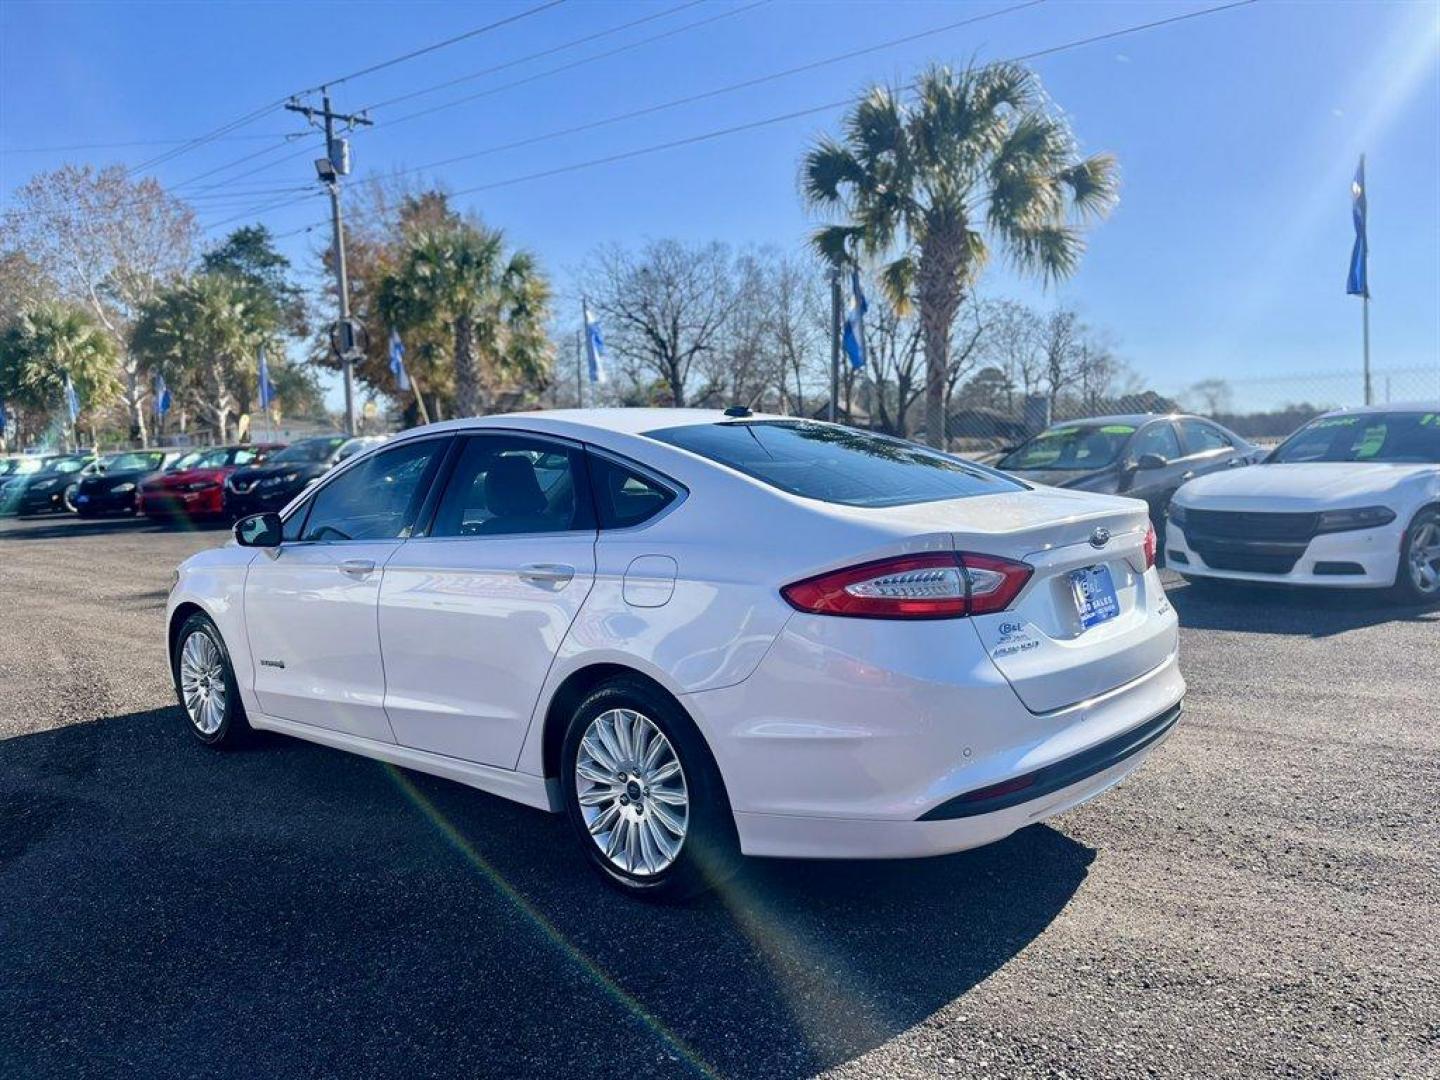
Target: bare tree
797,333
1211,396
1017,343
897,365
664,306
110,242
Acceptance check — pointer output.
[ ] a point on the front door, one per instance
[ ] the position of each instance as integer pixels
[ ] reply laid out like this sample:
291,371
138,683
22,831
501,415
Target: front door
1156,485
311,605
472,615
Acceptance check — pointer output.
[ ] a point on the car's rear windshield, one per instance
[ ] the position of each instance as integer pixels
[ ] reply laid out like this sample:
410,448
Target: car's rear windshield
835,464
307,451
1071,446
1397,438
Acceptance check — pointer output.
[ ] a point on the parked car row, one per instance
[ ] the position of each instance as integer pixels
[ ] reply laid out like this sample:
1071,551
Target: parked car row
216,482
1351,499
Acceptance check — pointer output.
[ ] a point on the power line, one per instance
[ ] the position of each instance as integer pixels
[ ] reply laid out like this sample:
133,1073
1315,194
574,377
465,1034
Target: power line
813,109
471,76
437,45
256,137
690,99
572,65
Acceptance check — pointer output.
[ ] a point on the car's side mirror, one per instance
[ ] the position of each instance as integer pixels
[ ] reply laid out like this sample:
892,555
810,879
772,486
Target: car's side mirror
260,530
1152,461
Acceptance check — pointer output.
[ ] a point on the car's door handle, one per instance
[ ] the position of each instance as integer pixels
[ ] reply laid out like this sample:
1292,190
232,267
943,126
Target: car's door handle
556,574
357,567
1190,475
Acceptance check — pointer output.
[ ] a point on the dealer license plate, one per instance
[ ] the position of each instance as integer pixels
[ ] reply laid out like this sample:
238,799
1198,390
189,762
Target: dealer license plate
1095,598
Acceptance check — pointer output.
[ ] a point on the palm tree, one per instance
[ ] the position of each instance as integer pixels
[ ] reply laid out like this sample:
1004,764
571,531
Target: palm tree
48,342
458,274
204,335
977,153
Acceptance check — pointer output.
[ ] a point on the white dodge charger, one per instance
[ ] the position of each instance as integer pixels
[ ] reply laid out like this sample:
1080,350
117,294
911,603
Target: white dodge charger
697,634
1352,500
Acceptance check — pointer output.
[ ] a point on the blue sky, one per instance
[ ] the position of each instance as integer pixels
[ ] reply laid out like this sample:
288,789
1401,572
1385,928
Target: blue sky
1236,133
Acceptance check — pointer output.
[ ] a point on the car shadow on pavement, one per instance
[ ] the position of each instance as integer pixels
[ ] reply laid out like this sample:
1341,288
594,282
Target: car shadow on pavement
288,909
1275,609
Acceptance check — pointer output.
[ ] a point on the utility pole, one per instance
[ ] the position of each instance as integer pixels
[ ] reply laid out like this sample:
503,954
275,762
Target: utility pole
834,343
330,168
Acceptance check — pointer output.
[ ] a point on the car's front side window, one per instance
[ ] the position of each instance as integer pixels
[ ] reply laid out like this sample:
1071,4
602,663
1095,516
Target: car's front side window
504,484
375,500
1203,438
1156,439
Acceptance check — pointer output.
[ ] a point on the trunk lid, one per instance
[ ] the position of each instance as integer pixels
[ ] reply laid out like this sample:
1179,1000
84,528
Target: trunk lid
1039,643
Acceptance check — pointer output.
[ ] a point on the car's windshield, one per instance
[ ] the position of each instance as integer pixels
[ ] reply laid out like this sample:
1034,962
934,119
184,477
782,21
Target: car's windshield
1408,438
201,459
137,462
69,464
1071,446
26,466
838,465
307,451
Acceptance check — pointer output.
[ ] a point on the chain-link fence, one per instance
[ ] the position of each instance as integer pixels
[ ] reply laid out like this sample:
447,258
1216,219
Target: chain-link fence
1263,410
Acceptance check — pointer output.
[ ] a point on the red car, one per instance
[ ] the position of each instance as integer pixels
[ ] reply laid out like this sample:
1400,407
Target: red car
194,486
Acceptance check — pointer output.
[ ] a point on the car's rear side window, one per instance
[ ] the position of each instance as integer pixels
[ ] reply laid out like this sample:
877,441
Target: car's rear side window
835,464
623,496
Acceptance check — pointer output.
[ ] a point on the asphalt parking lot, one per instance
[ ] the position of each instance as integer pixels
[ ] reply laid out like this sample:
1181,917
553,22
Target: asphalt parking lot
1260,899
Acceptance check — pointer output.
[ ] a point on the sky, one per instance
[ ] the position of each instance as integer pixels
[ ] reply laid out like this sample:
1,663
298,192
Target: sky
1237,134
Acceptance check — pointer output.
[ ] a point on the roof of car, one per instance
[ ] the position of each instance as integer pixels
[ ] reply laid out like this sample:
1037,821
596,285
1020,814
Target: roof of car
1119,418
620,420
1388,407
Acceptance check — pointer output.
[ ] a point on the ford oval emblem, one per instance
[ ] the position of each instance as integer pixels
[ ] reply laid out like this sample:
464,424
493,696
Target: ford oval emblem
1100,537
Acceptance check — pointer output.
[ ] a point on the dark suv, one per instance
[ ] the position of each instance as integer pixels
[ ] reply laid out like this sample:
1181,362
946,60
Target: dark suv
284,475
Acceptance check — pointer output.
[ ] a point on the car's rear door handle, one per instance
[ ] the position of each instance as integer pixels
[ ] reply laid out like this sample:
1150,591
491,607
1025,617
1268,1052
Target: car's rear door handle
556,574
357,567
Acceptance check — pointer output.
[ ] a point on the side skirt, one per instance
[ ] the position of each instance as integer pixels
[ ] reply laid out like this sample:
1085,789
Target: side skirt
519,787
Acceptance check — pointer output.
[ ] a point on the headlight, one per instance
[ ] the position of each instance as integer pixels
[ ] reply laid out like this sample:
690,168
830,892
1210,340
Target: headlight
1362,517
121,489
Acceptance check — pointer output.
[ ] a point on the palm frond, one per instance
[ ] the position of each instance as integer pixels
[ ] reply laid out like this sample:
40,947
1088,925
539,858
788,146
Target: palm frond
835,244
1050,251
897,282
1094,185
826,171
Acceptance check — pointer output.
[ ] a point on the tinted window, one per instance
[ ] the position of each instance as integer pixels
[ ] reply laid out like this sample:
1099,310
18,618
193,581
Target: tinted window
1157,439
133,462
835,464
377,499
1072,446
307,451
512,484
1401,438
623,497
1201,438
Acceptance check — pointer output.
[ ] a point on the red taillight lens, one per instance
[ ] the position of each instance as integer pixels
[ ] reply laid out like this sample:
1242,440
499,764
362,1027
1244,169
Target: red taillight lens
1151,542
942,585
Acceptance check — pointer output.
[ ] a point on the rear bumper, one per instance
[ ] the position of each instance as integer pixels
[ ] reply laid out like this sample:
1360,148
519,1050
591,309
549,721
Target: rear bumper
1363,559
826,756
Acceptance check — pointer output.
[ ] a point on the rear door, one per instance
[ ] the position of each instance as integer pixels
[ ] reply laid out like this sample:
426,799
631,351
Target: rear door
312,604
472,614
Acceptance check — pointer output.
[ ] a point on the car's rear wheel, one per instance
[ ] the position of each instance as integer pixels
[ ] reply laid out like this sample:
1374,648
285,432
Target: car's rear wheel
1418,578
205,684
643,794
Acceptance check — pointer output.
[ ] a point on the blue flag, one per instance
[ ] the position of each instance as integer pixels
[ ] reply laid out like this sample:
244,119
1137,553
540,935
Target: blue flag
397,361
162,395
853,338
594,346
267,388
72,399
1358,284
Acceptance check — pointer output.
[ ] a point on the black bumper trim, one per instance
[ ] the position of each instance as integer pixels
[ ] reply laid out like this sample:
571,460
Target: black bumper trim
1052,778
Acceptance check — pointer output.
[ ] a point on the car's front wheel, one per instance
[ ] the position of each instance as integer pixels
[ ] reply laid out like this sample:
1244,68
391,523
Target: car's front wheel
1418,578
643,794
205,684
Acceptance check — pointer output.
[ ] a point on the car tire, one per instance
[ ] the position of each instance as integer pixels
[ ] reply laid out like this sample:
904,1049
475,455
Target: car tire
618,762
1412,585
205,684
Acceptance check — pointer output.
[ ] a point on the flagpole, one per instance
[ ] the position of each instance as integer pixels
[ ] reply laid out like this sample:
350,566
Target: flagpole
834,343
1365,322
580,359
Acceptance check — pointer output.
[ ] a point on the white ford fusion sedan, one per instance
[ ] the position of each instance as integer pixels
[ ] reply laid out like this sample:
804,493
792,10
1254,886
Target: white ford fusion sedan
1351,500
697,634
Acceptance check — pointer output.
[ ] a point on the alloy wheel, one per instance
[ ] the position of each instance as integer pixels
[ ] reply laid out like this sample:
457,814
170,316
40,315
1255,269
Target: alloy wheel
632,793
202,682
1423,556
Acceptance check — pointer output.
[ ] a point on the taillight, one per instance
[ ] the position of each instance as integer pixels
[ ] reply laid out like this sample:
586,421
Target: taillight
940,585
1151,541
